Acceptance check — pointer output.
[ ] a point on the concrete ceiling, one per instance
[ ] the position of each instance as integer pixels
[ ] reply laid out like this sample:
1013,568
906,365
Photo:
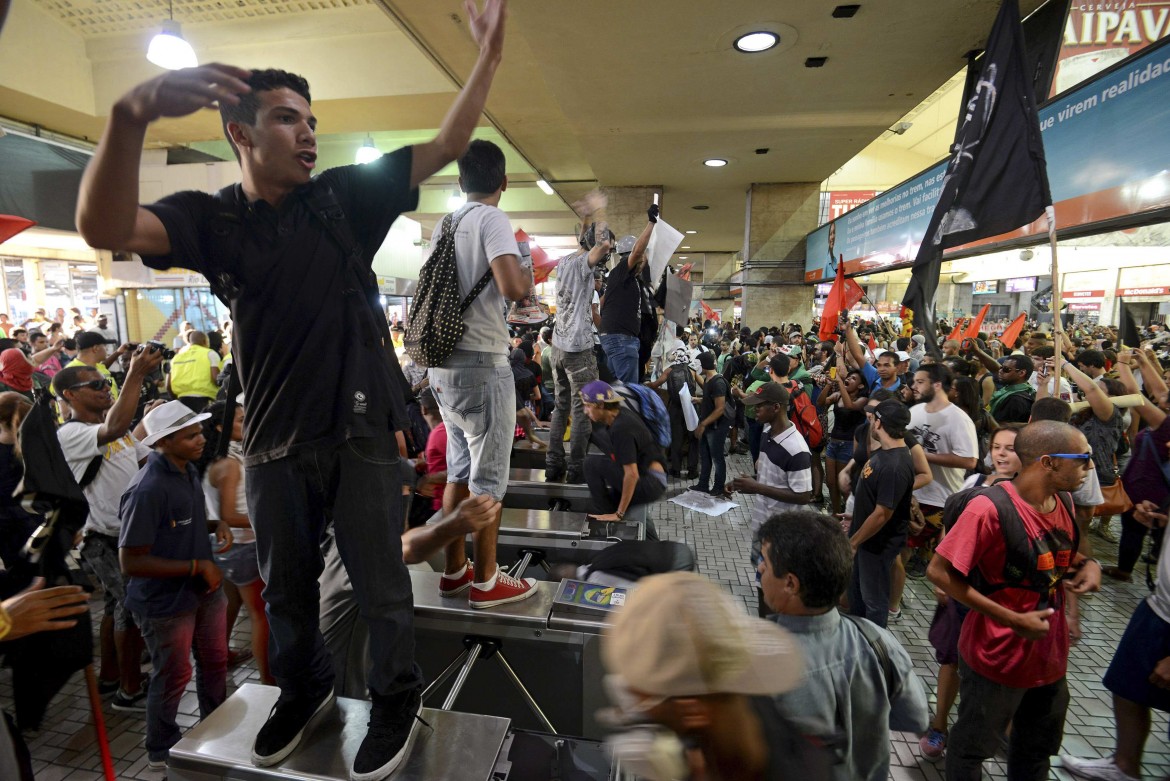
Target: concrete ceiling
605,92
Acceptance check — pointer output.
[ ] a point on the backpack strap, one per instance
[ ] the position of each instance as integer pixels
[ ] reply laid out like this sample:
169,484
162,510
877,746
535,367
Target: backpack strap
91,469
486,279
874,638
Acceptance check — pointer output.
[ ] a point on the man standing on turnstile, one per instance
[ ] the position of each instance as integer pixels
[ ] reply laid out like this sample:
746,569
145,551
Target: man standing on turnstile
281,244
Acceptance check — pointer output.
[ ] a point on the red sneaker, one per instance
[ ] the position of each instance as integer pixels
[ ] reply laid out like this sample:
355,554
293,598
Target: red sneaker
506,589
454,585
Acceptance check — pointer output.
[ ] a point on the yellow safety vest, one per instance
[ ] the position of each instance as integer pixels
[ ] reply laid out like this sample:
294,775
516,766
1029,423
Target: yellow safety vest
191,372
101,369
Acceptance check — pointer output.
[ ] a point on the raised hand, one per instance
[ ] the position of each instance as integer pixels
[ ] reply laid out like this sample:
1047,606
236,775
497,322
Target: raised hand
183,92
487,28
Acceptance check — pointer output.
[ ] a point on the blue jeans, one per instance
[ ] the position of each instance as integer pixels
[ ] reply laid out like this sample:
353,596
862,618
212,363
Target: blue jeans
869,587
357,485
171,641
711,449
477,398
621,353
571,373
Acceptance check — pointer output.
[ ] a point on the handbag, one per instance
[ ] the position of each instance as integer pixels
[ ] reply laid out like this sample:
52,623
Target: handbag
1116,500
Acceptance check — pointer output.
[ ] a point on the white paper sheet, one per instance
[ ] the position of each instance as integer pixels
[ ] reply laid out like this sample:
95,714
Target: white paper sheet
704,503
663,242
690,414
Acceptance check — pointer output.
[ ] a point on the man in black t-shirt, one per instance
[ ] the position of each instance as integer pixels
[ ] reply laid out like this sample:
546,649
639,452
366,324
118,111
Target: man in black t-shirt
631,472
319,441
881,513
621,305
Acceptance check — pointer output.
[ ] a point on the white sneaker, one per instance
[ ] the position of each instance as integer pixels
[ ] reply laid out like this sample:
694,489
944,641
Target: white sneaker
1096,769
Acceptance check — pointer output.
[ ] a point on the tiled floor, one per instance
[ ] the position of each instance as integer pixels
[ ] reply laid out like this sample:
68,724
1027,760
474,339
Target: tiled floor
65,747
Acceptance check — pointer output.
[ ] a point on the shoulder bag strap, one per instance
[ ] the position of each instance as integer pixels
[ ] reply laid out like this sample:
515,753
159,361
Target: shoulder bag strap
874,639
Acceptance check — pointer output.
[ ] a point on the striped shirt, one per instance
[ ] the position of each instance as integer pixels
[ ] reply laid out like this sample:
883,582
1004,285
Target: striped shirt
785,462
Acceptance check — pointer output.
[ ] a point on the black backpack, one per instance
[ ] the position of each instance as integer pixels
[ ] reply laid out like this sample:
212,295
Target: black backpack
679,378
435,324
1034,565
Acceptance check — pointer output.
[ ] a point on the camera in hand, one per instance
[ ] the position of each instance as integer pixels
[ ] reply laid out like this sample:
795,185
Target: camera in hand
155,347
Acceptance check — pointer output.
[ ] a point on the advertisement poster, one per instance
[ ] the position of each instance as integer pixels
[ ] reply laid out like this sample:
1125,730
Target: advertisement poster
1102,33
842,201
1107,144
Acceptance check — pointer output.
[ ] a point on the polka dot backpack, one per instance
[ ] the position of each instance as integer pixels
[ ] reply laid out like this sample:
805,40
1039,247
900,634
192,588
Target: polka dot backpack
435,325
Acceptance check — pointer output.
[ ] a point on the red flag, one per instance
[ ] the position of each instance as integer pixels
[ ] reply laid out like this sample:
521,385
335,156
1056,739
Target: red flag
844,294
1011,334
977,323
10,226
873,346
957,333
708,312
542,265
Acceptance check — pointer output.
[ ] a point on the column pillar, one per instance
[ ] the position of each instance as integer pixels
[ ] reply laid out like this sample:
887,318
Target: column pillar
778,218
626,208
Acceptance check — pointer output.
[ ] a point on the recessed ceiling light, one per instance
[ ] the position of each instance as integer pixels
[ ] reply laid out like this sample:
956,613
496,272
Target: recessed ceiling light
759,41
692,231
545,187
682,257
685,246
715,162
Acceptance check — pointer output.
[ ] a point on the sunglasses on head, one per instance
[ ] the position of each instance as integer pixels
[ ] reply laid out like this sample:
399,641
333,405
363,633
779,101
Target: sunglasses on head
97,385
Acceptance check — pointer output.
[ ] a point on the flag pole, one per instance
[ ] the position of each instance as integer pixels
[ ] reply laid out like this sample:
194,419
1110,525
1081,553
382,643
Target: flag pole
1057,324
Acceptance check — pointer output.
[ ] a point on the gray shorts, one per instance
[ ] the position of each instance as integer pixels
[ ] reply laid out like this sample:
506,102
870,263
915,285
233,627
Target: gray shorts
100,552
239,564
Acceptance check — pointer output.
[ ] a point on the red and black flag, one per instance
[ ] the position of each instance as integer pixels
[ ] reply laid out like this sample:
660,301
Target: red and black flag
996,180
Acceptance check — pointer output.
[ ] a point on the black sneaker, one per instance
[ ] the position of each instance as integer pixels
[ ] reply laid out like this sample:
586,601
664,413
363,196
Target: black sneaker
285,727
554,474
574,476
392,723
129,703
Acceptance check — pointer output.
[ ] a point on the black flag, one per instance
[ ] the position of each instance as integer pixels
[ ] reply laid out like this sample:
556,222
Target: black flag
996,180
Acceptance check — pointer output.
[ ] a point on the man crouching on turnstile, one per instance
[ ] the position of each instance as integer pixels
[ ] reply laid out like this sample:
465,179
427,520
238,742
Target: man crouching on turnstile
683,655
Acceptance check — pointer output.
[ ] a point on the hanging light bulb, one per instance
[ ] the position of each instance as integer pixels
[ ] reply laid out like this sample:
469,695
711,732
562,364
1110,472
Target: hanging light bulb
168,49
456,200
367,152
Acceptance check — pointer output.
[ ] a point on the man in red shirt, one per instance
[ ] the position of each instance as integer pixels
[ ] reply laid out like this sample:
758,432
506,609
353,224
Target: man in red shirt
1013,649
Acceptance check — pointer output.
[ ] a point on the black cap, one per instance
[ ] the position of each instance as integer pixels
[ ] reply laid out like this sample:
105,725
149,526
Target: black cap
87,339
892,413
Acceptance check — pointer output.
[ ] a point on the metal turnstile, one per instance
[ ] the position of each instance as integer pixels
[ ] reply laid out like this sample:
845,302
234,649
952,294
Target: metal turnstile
520,661
556,537
458,747
524,456
527,489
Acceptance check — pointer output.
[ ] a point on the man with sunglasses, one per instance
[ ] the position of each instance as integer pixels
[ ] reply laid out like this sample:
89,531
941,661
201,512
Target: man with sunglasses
1013,648
1012,400
104,457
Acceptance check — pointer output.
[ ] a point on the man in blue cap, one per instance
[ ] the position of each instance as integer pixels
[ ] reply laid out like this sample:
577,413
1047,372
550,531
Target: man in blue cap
631,472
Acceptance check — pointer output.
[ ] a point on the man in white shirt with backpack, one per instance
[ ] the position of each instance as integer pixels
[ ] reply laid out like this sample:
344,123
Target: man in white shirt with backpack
474,385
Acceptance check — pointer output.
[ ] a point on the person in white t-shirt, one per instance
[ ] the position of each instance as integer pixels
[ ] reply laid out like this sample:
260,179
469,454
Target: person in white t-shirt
947,434
474,386
97,437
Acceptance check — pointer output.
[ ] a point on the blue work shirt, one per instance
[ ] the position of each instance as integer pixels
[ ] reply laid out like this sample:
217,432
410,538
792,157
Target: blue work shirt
873,381
164,508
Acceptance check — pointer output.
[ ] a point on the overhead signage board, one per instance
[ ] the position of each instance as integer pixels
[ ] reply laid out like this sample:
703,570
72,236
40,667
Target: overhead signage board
1100,34
1107,145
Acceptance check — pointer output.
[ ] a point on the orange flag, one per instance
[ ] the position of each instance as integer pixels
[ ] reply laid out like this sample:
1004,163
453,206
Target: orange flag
843,295
708,312
957,332
1011,334
977,323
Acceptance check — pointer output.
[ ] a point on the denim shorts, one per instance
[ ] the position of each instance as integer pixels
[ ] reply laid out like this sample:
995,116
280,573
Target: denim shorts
240,564
477,398
840,450
100,553
1145,643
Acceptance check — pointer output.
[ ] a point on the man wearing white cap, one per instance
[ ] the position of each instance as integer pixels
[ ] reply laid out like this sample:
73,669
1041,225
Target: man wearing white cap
173,587
683,655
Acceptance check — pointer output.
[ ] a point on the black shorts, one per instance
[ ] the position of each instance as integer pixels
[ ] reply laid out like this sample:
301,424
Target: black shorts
1145,643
